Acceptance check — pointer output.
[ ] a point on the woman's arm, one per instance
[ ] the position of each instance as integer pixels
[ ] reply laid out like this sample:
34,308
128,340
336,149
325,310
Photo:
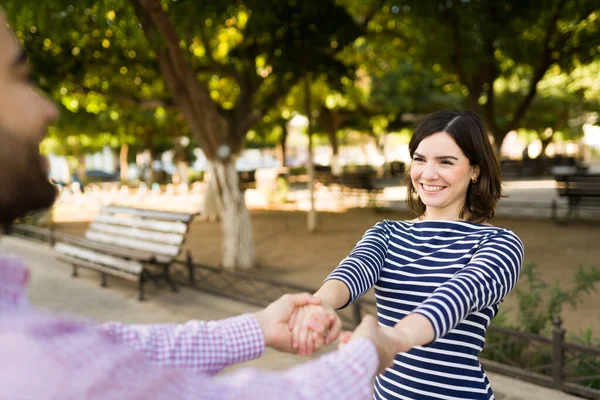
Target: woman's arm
335,293
486,280
355,275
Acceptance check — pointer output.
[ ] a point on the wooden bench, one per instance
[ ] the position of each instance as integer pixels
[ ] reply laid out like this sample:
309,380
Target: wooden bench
359,181
579,189
130,243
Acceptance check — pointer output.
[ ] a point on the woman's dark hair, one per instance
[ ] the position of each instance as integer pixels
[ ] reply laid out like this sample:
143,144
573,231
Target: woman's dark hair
468,131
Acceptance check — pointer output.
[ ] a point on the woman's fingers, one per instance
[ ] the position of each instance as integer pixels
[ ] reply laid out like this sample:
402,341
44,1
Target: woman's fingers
296,328
345,338
292,320
320,323
335,330
303,334
319,340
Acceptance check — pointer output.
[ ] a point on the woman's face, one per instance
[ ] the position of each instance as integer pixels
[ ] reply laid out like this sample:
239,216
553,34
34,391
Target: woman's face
440,172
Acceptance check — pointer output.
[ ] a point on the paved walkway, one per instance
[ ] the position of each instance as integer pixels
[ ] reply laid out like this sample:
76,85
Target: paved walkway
53,289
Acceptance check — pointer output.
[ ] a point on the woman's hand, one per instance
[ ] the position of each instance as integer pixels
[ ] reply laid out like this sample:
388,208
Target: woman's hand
314,326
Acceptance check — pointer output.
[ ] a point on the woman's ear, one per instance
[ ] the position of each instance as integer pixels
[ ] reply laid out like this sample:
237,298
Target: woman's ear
475,173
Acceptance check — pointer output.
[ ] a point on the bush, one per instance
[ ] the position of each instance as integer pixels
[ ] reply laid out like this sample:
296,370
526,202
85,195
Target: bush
537,304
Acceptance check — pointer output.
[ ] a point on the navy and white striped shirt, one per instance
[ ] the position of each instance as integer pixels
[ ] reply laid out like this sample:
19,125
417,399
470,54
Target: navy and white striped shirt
455,273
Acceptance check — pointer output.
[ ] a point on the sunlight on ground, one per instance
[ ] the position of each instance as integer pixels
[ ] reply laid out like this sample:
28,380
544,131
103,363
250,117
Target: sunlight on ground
74,205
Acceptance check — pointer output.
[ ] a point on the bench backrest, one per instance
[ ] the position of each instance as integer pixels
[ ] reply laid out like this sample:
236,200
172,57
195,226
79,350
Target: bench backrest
578,185
357,180
161,233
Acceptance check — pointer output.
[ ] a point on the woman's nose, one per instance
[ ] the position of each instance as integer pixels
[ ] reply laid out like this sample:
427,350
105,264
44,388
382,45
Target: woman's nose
429,172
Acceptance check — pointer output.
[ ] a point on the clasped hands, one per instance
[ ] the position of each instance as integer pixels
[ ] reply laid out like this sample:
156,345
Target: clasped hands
301,323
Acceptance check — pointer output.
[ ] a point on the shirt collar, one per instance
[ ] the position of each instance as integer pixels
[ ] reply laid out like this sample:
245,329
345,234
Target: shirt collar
14,276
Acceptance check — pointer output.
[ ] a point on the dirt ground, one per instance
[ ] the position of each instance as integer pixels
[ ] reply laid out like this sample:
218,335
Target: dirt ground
287,251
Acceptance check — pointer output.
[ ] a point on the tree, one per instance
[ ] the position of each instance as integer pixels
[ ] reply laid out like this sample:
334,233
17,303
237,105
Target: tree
482,42
563,102
225,64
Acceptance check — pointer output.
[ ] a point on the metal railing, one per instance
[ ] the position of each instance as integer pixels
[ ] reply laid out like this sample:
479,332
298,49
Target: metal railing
552,362
546,361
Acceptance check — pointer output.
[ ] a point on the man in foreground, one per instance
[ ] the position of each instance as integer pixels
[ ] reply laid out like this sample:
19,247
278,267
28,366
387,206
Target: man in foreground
50,357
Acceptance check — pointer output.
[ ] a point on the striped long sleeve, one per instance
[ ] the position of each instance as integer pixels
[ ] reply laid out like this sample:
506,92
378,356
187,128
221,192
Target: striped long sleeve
453,272
360,270
486,280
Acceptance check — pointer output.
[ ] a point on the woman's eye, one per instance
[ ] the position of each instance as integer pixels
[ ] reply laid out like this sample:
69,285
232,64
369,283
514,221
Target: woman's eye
447,162
417,159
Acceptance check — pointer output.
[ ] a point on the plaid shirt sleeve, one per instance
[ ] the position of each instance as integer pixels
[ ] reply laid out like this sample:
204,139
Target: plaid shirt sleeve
204,347
57,359
344,374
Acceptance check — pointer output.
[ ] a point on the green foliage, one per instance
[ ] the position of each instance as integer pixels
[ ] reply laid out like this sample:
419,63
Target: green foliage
496,52
537,304
373,63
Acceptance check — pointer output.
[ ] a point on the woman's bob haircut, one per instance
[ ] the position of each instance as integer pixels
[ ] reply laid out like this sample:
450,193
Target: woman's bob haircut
468,131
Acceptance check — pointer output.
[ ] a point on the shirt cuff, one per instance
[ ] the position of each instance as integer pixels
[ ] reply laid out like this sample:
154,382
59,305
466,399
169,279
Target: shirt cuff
361,355
435,322
342,278
243,336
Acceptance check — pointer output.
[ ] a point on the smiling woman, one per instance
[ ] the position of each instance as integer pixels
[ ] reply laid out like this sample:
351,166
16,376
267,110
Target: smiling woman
454,173
438,279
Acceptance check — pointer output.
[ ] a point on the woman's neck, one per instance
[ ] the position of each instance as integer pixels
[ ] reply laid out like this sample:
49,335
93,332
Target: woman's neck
441,215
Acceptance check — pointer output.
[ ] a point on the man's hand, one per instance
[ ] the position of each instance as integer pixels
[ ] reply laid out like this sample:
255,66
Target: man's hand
314,326
274,319
387,340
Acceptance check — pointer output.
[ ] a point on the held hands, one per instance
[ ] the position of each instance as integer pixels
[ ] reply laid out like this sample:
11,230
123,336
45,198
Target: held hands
298,323
302,323
313,326
274,319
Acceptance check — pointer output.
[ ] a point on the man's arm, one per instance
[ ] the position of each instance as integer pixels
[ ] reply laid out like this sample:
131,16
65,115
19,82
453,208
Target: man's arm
205,347
344,374
81,363
208,347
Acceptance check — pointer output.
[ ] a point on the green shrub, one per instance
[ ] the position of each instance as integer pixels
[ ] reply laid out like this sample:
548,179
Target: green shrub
538,303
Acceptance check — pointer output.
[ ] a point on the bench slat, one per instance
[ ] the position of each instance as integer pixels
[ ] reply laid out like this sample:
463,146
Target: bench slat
136,255
145,213
89,255
162,226
156,248
97,267
160,237
578,185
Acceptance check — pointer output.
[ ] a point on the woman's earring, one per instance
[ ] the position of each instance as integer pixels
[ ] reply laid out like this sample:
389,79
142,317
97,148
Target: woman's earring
474,180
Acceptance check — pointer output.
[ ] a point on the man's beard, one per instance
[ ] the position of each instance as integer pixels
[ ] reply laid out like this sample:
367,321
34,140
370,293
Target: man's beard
24,186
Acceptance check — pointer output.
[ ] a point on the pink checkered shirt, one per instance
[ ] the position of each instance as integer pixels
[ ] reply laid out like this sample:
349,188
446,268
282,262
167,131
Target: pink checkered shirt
43,356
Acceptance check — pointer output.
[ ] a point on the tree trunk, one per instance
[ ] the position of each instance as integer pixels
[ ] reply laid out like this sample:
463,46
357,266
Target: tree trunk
499,136
333,140
310,167
210,209
238,244
81,170
182,168
210,128
280,150
124,165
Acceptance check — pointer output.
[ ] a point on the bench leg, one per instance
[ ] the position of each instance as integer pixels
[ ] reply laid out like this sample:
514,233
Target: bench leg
141,287
75,272
103,279
168,279
192,269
